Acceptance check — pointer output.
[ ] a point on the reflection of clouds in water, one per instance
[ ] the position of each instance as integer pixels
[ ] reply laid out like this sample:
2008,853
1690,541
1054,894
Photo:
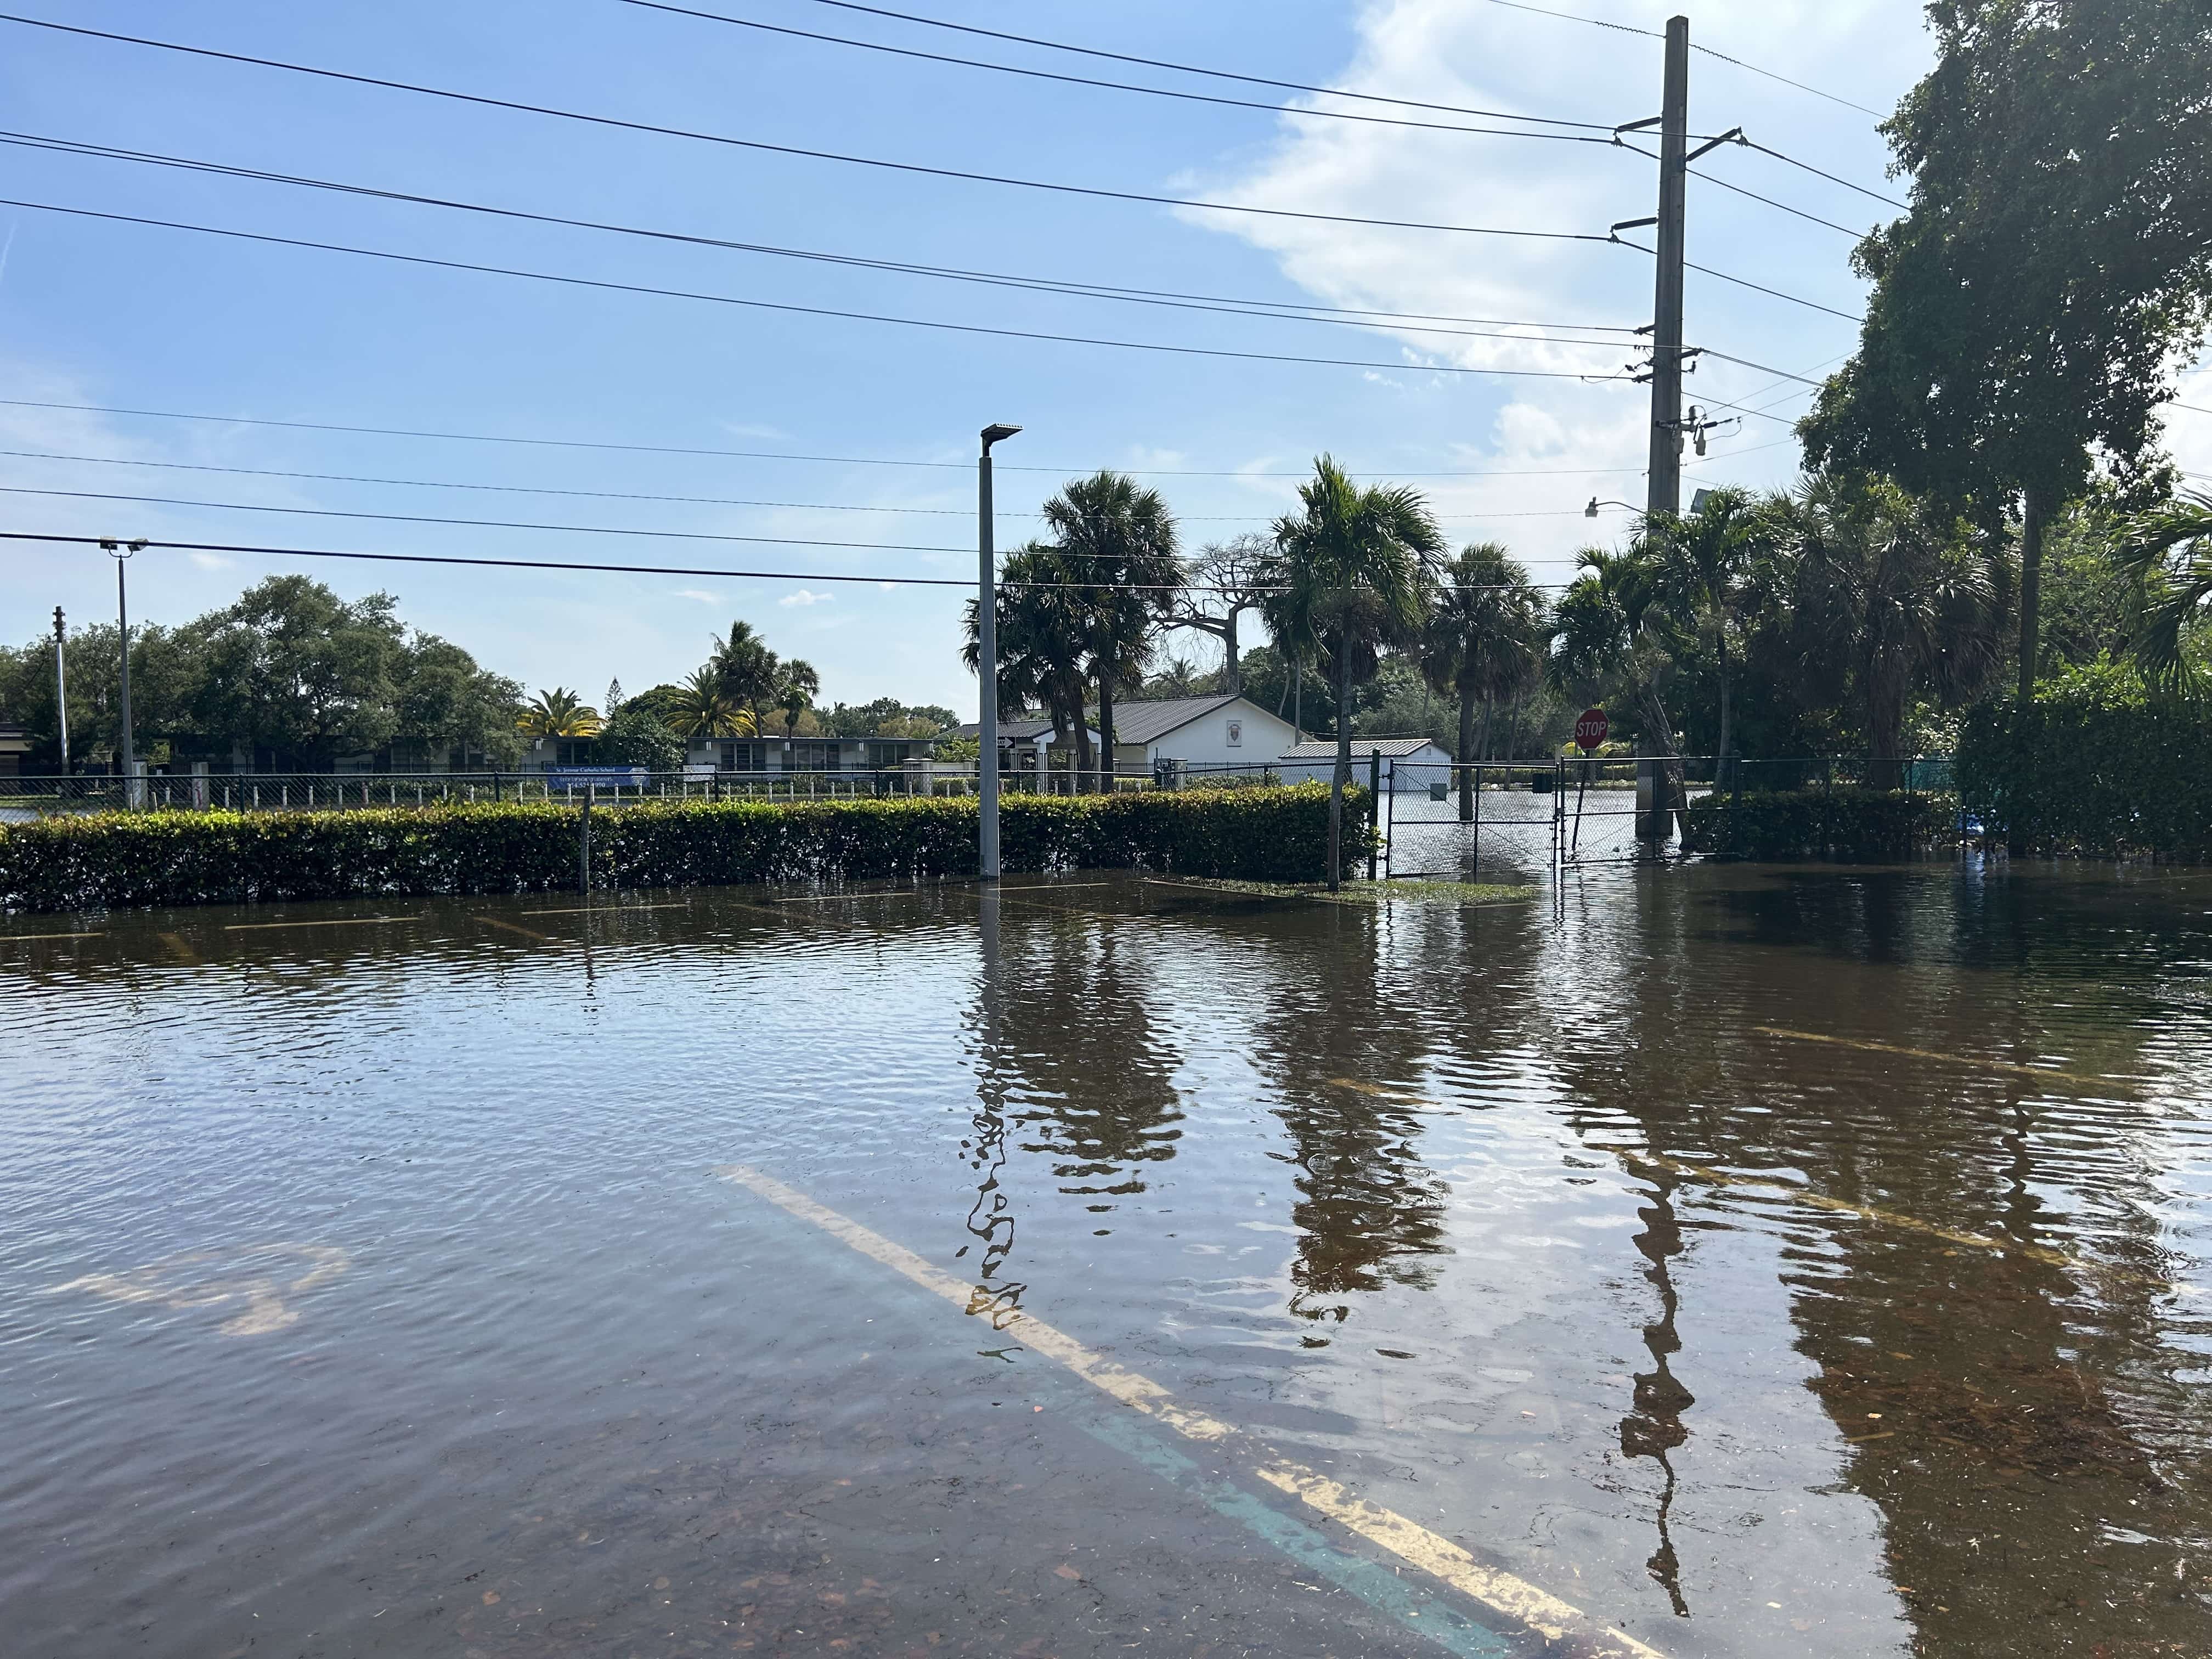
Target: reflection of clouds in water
210,1278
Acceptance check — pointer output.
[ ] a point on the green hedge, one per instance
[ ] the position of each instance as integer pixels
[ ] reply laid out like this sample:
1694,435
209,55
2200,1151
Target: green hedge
124,860
2100,765
1845,822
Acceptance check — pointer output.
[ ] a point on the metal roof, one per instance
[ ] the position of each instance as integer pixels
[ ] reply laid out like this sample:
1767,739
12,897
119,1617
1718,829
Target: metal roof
1395,748
1140,720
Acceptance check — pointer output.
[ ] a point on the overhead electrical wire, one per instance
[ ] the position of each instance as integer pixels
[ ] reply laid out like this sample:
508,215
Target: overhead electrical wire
638,569
1742,282
611,286
1654,35
1590,137
1821,173
621,494
1193,69
1272,310
562,529
750,454
793,150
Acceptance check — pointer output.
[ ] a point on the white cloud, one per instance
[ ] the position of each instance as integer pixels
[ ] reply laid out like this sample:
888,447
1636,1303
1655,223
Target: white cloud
212,561
804,596
699,594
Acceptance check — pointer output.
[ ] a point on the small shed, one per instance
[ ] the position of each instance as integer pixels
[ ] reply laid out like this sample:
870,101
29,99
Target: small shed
1410,765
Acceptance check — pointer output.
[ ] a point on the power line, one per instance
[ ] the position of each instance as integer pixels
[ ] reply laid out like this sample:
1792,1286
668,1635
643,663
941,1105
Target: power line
1155,92
1625,28
1192,69
477,524
1833,179
1742,282
1281,311
1715,178
625,495
793,150
639,570
562,529
800,310
746,454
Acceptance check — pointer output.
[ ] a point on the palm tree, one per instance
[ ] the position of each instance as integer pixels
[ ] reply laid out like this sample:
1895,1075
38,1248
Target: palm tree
1121,537
746,669
2176,590
703,709
1485,640
797,685
1696,565
1611,642
1042,645
557,713
1352,573
1900,592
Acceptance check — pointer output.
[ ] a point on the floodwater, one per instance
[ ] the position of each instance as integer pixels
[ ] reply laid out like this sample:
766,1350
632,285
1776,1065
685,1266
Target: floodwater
1706,1261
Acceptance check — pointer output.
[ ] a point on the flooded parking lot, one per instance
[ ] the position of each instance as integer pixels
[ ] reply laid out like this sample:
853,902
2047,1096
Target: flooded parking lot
1704,1261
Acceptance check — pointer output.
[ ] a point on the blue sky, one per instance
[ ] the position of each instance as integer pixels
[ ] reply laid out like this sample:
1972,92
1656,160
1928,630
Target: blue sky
95,312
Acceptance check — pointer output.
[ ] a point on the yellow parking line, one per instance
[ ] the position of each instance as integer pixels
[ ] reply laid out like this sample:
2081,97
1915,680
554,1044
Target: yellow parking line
320,922
606,909
12,938
527,932
1887,1217
1382,1093
2044,1071
1537,1609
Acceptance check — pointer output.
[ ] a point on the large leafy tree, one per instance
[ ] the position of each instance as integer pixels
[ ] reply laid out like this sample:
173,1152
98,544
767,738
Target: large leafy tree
1354,572
2054,263
1119,539
1485,641
293,672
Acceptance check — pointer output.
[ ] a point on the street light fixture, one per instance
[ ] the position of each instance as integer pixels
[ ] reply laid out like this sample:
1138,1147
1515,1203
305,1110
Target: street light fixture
987,658
1590,512
134,791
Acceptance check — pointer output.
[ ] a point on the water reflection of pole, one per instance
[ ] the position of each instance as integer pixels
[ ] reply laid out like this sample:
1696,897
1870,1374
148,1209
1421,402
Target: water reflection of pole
988,1219
1654,1427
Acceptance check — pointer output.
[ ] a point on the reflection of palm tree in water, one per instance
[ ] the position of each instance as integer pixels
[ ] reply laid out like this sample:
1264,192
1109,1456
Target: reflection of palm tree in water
1100,1099
1367,1211
1654,1427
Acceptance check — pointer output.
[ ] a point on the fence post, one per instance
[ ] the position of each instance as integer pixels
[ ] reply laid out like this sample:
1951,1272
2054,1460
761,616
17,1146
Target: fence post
584,843
1374,805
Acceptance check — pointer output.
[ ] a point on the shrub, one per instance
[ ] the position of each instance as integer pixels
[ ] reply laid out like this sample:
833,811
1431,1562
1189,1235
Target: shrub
1845,822
2100,765
129,860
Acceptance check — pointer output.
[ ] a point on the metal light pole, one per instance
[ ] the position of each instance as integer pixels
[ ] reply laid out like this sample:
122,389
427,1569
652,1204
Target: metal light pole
986,656
132,793
61,687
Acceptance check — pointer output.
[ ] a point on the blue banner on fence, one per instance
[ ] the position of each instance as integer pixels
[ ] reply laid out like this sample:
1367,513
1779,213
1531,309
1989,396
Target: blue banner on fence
607,777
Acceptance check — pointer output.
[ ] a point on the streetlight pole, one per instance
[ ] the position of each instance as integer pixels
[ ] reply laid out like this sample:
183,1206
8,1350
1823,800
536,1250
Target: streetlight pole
987,657
122,554
61,687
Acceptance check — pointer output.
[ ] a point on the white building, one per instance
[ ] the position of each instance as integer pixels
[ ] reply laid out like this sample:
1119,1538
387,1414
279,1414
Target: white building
1410,765
1195,735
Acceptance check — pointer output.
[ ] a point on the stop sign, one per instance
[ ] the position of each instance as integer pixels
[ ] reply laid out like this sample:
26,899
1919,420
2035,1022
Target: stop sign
1590,730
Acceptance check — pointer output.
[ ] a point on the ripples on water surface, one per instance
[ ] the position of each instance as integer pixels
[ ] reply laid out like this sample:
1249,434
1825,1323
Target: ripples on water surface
368,1287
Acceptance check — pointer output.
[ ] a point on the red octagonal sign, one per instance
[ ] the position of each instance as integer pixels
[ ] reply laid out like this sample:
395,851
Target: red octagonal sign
1590,730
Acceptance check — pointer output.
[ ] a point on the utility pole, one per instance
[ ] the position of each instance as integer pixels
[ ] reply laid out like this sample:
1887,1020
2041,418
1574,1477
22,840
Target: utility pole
987,657
61,687
1664,494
